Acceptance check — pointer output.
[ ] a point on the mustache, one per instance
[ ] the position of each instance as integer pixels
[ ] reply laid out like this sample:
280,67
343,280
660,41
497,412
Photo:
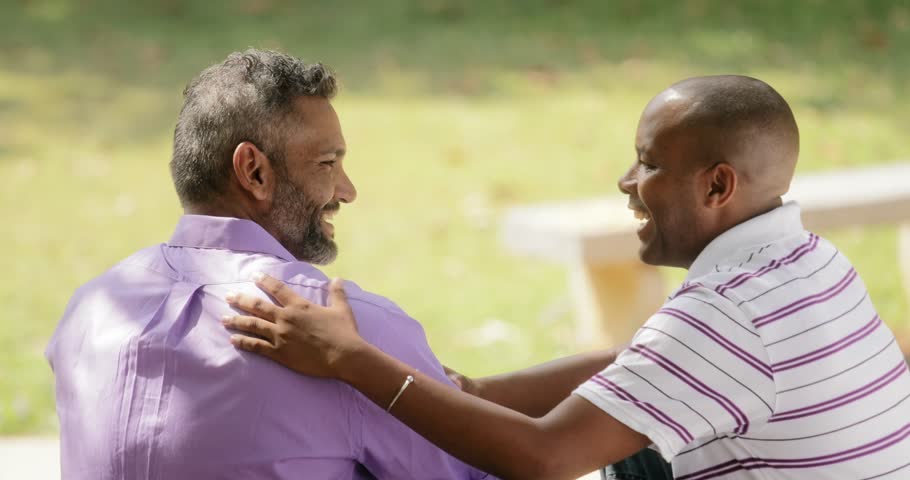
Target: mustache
332,207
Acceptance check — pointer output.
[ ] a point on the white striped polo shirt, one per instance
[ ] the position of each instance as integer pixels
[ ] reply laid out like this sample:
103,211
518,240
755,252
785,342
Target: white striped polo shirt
768,362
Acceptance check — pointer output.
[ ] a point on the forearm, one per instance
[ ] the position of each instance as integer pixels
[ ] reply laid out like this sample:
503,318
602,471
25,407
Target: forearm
573,438
491,437
536,390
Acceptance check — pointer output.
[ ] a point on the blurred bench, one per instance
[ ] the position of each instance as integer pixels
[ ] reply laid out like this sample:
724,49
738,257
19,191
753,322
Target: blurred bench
614,292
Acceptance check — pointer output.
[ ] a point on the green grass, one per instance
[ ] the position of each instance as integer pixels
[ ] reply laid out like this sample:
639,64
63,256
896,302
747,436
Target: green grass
452,112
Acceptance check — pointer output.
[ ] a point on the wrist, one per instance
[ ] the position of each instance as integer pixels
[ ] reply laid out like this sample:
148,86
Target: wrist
479,387
353,362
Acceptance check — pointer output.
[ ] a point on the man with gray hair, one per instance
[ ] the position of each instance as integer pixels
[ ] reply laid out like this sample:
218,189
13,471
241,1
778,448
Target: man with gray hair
147,384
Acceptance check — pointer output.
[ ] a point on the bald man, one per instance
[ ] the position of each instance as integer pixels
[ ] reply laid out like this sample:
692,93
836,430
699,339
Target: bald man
769,361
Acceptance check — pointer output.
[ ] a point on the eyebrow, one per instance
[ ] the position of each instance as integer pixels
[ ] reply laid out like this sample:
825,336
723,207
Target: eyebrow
642,156
338,152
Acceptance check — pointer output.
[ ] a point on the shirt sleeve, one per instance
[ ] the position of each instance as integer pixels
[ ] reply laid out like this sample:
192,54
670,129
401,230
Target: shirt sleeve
388,448
696,370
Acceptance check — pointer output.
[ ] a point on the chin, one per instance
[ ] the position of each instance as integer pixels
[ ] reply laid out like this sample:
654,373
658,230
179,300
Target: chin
646,262
647,256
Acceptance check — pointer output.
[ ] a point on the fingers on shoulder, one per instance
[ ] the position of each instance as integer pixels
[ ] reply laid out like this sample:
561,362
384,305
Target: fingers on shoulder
337,296
253,325
253,344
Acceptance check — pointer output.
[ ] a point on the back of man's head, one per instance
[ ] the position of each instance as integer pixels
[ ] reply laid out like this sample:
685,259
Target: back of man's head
747,123
247,97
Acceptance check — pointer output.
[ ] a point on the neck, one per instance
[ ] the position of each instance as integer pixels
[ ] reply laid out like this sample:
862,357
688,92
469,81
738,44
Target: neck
227,206
732,219
232,209
757,210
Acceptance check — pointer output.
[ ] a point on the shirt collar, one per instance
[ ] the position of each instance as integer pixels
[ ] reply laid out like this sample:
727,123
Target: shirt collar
226,233
763,229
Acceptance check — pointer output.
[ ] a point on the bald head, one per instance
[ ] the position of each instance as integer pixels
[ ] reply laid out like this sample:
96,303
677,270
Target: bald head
712,152
738,120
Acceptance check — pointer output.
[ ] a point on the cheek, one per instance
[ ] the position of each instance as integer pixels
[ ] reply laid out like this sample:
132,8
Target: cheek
319,187
651,190
682,220
669,205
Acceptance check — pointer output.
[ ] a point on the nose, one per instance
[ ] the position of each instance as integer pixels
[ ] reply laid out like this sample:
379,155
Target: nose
345,191
627,181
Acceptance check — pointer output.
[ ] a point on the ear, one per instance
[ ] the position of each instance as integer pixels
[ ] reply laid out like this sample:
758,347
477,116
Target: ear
722,183
254,171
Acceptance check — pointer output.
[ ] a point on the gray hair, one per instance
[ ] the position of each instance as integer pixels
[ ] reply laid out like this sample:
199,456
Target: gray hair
247,97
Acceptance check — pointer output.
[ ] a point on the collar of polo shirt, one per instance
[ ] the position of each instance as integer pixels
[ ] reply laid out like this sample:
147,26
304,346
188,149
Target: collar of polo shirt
766,228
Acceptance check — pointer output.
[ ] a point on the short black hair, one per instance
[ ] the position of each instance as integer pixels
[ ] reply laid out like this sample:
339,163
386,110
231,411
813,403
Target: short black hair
247,97
735,103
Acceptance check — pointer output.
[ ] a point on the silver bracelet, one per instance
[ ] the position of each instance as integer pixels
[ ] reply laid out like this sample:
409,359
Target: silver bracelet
407,381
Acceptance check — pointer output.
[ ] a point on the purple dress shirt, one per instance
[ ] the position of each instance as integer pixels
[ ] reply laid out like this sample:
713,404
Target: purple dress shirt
149,387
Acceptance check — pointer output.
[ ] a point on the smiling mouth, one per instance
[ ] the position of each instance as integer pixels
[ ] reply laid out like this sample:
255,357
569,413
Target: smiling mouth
642,216
327,215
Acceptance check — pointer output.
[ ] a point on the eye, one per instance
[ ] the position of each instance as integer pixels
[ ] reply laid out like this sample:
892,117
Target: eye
648,167
328,163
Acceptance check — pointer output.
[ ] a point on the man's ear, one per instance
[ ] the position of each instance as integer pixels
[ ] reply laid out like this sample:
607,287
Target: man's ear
722,184
254,171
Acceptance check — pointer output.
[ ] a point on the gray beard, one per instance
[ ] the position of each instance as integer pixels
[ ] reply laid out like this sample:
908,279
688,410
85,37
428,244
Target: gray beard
297,221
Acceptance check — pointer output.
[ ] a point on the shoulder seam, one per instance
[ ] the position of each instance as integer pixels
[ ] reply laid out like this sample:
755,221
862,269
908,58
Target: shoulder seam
357,298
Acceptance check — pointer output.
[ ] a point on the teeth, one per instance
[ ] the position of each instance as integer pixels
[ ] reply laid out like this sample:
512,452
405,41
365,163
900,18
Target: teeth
641,215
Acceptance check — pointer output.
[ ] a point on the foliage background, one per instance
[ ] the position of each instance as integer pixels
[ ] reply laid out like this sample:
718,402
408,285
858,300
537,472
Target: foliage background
453,110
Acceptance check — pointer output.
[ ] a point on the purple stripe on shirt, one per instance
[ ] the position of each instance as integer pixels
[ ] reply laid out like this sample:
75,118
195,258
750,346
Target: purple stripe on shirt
794,279
894,406
849,397
831,349
655,412
792,257
731,347
841,372
808,301
753,463
686,288
742,422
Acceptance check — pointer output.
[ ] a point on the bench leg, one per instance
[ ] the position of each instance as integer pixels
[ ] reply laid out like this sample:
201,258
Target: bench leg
903,256
612,301
903,259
